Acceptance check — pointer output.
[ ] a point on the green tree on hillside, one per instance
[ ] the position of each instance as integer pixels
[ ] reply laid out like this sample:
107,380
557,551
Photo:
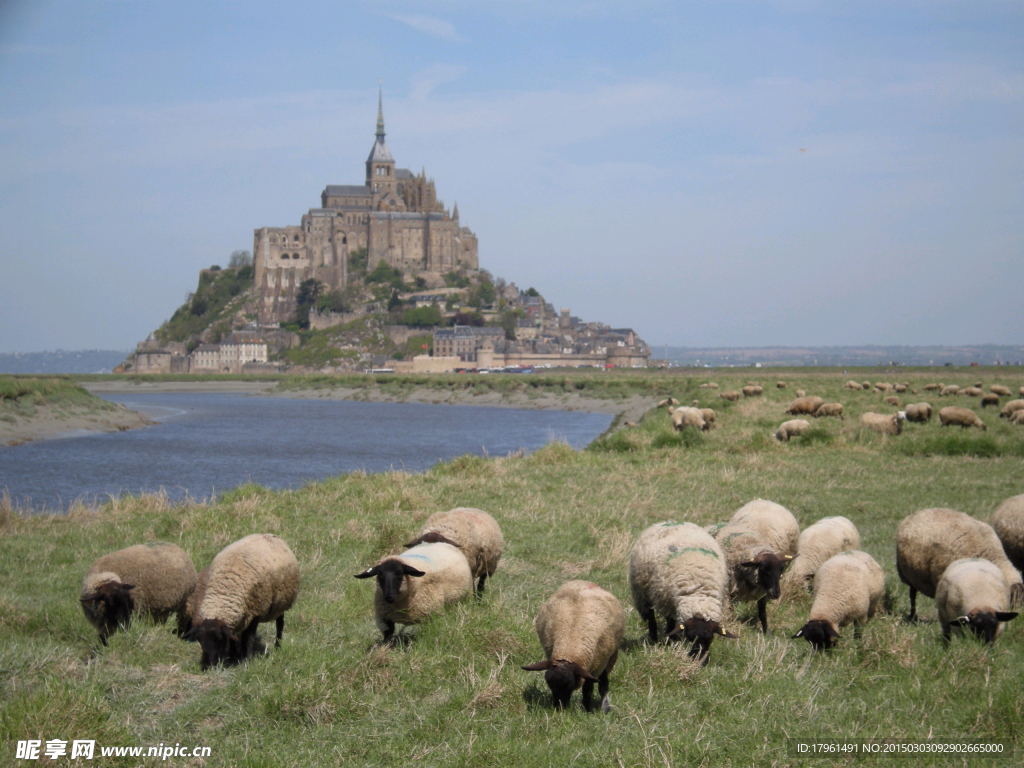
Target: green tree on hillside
309,291
240,259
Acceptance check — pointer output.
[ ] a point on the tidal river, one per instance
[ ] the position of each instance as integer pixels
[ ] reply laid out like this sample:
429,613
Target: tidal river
205,444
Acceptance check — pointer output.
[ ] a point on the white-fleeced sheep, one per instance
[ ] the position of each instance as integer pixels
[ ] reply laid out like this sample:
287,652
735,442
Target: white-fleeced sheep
709,417
972,391
152,579
932,387
919,412
930,539
709,385
848,589
886,423
580,628
800,393
759,541
989,399
949,391
1011,408
687,416
851,384
999,389
955,416
1008,523
251,581
186,616
819,542
882,386
973,593
679,571
803,405
413,585
892,400
1017,417
667,402
752,390
473,531
830,409
780,385
900,388
732,395
791,428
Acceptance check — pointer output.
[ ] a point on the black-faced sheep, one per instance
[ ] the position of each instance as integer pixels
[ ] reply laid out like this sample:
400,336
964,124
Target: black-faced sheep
803,405
759,541
473,531
667,402
955,416
972,391
830,409
865,385
848,589
1008,523
709,417
580,628
882,386
780,384
752,391
152,579
932,387
679,571
987,400
999,389
973,593
886,423
413,585
919,412
819,542
791,428
254,580
900,388
930,539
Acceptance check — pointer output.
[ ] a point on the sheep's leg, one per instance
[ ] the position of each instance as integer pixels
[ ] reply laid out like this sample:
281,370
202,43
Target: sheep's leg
480,586
858,630
280,630
588,695
245,641
652,624
946,629
912,616
387,627
670,624
602,690
762,615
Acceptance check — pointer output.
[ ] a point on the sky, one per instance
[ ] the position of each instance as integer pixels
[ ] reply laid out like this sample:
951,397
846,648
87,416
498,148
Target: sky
784,172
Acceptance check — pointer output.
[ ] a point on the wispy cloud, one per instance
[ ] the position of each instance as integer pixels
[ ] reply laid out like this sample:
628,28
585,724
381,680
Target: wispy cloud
431,26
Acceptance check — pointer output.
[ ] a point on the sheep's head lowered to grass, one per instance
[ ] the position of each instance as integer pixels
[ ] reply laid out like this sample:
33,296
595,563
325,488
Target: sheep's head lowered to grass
563,677
819,633
111,605
699,633
984,624
220,645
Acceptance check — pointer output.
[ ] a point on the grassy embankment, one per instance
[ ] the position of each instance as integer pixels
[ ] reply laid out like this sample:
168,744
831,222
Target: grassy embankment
454,695
23,397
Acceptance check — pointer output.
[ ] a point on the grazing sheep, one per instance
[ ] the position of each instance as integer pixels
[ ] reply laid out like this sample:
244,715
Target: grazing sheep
1017,417
1011,408
972,391
709,417
987,400
580,628
732,395
818,542
886,423
930,539
830,409
848,588
919,412
851,384
186,615
254,580
791,428
901,388
679,571
892,400
865,385
1008,523
759,541
780,384
999,389
473,531
667,402
954,415
973,593
752,391
688,417
800,393
414,584
949,391
932,387
882,386
709,385
806,405
152,579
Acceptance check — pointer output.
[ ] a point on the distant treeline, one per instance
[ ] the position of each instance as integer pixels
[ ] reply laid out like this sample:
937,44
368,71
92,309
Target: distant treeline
60,361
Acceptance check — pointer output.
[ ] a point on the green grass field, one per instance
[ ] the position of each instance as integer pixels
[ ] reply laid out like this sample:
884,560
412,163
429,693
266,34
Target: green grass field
454,694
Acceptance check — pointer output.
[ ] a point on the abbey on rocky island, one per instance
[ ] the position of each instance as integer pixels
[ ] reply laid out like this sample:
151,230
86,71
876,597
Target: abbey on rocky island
395,215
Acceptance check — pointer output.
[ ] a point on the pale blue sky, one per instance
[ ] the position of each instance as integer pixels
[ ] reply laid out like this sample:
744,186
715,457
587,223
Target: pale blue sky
641,163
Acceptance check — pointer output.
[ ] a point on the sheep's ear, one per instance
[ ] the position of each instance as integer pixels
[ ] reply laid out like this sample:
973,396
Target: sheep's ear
675,632
126,587
190,635
750,564
538,666
367,573
722,631
90,598
961,621
787,558
800,633
408,570
1004,616
581,672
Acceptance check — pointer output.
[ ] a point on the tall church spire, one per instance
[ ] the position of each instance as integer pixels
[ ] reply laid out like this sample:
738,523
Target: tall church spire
380,113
